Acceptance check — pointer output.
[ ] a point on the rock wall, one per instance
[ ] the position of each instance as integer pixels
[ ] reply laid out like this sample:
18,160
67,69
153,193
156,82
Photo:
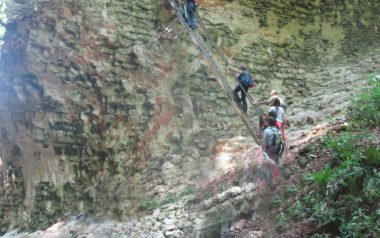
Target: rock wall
96,116
283,41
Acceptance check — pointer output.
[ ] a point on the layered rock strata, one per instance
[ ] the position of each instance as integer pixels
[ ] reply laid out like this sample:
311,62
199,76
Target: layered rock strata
96,116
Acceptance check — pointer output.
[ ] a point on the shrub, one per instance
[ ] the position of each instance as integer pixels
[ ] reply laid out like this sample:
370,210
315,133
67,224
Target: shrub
322,177
371,187
344,145
365,111
361,224
344,196
372,156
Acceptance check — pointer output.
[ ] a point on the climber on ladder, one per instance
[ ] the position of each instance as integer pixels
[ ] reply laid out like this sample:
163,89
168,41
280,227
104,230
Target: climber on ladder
189,13
205,46
245,82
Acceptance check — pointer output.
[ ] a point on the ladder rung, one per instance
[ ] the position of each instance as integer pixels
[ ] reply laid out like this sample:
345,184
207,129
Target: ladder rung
206,52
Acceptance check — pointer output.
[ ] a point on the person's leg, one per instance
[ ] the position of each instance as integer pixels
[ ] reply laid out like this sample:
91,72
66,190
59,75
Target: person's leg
281,127
278,125
283,133
192,20
244,99
236,94
192,16
263,124
277,158
191,13
274,156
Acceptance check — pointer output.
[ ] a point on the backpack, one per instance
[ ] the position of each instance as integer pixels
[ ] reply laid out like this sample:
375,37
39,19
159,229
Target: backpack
247,79
277,141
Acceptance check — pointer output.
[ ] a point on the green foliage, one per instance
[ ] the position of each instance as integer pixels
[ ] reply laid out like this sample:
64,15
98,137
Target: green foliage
297,211
365,111
291,190
344,195
170,198
322,177
149,204
188,191
342,145
372,156
281,220
276,202
360,224
371,187
351,181
347,176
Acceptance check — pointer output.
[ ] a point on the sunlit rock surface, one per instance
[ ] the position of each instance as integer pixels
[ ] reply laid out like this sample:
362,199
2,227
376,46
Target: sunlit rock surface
98,118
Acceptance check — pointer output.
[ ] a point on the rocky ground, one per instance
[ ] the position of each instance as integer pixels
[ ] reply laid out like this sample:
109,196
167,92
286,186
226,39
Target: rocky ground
241,211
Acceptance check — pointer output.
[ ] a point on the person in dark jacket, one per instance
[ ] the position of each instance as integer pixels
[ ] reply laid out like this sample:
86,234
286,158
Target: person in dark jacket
243,84
189,12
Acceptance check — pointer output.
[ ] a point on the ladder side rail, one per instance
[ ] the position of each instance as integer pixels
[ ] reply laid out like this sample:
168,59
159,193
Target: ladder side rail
227,90
219,76
220,53
222,83
165,31
224,59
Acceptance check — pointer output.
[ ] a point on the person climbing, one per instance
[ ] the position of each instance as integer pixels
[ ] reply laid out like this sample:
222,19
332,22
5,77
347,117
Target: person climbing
272,114
189,13
280,116
272,142
245,82
274,95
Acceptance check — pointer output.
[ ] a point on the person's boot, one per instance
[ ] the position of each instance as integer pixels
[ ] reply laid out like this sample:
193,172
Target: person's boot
241,108
244,109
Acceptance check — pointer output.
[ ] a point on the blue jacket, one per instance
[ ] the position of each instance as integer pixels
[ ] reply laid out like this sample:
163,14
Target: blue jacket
190,4
245,78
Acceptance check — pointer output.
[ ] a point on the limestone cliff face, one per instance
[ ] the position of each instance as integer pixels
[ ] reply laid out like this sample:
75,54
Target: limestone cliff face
95,116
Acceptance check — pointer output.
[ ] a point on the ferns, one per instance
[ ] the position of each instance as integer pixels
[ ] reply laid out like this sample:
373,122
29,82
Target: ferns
345,193
366,107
